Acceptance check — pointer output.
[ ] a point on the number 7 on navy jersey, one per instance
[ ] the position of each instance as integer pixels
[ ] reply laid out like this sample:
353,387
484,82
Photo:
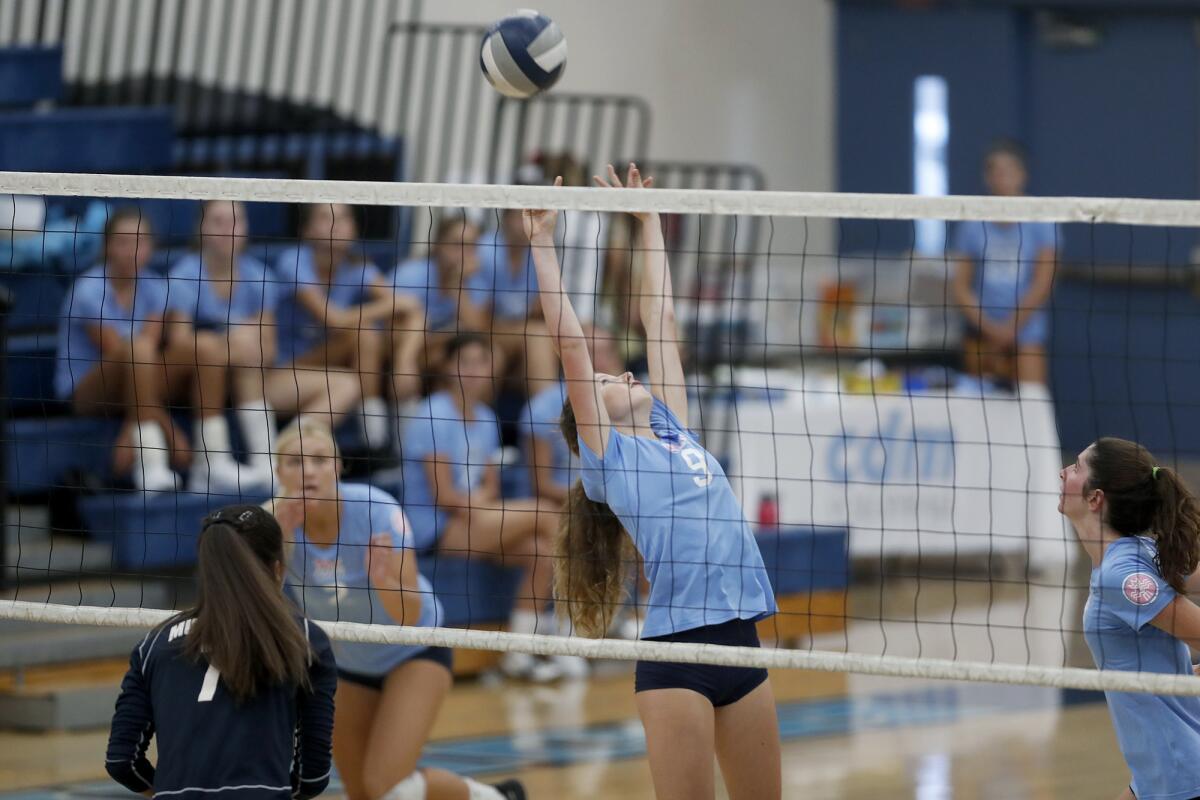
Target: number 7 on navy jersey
208,689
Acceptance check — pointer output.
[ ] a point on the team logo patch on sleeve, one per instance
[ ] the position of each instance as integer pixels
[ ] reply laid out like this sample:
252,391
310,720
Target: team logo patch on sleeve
1140,588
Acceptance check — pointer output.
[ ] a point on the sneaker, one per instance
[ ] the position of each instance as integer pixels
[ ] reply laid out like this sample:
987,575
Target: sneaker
373,422
527,667
517,665
572,667
629,628
512,789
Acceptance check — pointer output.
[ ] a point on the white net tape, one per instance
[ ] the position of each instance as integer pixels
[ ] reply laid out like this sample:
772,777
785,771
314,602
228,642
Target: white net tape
767,658
1126,211
1159,213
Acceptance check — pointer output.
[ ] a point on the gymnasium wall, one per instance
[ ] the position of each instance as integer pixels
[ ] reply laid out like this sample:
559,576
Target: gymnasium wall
1106,96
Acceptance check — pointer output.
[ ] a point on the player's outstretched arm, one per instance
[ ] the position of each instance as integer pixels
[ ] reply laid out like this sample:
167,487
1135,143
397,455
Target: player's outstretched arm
567,334
656,302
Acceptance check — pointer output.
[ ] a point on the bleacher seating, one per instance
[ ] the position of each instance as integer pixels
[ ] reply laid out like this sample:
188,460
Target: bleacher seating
46,448
87,140
153,531
30,75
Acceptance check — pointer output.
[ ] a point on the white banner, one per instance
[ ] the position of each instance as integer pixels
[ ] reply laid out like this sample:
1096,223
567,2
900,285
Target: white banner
908,475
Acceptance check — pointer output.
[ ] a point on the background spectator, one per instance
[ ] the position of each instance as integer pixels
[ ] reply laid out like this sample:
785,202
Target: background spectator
447,285
337,312
121,352
451,448
551,464
222,290
1004,273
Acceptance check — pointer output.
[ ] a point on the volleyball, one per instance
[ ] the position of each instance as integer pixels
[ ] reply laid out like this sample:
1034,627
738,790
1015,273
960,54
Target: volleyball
523,55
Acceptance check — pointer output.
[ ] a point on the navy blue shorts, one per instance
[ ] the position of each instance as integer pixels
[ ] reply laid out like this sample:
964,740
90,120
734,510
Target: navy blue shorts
721,685
438,655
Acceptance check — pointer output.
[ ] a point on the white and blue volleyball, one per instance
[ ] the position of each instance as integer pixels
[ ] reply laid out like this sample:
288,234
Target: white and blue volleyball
524,54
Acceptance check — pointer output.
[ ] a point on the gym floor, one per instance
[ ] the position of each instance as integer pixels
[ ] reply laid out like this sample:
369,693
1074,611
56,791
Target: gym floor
844,736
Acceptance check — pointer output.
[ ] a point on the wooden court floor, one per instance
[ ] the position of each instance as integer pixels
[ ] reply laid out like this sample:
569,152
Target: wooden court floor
845,736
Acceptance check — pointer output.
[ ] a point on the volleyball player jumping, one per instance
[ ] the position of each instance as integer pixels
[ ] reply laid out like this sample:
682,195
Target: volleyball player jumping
1140,525
644,473
239,690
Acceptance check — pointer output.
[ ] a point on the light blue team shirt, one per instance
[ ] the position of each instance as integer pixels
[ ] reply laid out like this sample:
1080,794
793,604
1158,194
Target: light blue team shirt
540,419
331,583
1159,736
418,277
90,301
436,427
254,292
673,498
295,269
510,296
1005,256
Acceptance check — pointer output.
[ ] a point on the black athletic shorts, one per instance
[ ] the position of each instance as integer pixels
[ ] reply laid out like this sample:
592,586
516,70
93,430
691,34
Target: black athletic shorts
721,685
438,655
1135,794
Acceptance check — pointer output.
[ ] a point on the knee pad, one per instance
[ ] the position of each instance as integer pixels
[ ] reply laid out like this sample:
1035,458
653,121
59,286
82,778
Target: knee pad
411,788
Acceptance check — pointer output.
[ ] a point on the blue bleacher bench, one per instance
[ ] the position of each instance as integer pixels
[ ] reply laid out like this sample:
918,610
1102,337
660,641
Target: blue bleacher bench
116,139
42,453
152,531
30,75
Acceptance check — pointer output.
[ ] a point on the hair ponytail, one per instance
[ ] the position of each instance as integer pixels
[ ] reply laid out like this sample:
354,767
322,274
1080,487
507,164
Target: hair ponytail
243,624
589,567
591,553
1177,529
1144,499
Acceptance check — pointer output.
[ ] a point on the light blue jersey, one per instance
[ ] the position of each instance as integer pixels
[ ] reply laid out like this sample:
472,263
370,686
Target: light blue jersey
1005,256
673,498
1159,736
92,301
190,292
510,296
436,427
540,419
330,583
298,331
418,278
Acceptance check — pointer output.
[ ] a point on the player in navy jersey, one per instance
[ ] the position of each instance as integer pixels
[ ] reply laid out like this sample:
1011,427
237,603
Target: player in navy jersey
238,691
644,474
351,558
1140,525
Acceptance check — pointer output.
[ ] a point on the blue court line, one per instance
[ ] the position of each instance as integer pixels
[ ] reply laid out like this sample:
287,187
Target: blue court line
564,746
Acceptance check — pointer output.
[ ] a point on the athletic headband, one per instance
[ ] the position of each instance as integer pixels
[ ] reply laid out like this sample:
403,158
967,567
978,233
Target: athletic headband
219,517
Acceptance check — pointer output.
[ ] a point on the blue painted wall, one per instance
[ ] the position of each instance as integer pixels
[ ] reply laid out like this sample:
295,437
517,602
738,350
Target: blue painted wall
1116,116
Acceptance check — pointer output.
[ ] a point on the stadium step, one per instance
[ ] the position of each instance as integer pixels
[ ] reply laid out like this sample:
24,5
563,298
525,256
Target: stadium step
37,644
75,697
33,553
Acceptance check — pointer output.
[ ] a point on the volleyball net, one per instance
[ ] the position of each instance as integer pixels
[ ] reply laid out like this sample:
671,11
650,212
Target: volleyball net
895,454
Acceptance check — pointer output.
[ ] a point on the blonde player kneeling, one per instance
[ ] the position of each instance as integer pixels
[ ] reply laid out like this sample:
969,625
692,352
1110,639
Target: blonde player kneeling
1140,525
644,473
352,560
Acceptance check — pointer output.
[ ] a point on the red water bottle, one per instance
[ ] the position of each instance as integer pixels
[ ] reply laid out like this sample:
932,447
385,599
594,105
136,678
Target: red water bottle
768,512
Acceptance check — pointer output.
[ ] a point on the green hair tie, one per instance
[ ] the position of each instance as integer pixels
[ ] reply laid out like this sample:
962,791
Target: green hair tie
1154,473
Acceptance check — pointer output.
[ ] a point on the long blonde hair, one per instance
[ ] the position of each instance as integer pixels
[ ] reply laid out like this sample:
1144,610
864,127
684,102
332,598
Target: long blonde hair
591,554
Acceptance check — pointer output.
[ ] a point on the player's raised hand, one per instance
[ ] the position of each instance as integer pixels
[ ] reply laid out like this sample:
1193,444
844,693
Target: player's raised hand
539,222
633,180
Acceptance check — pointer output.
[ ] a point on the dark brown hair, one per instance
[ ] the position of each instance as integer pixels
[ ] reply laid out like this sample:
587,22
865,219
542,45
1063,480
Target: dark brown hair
590,554
123,214
1007,147
1144,499
441,234
243,624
